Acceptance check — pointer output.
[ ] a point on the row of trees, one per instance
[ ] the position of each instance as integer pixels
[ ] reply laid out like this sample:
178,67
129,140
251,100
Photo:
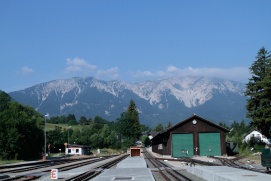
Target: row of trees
99,133
21,127
91,135
70,120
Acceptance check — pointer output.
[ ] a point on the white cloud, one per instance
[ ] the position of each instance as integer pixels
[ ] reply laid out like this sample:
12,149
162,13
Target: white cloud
78,65
81,66
26,70
111,73
235,73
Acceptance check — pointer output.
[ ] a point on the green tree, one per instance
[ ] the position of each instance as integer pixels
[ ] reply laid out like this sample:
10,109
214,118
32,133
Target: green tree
18,124
4,100
158,128
169,124
71,117
129,126
144,128
146,141
224,125
99,122
258,92
72,122
134,120
89,121
83,120
112,140
96,141
79,137
56,139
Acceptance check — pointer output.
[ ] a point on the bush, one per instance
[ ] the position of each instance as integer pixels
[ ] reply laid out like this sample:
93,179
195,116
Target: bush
253,145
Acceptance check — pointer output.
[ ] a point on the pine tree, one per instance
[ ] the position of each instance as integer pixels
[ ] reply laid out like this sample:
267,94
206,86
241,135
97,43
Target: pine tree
258,91
169,125
158,128
134,120
128,125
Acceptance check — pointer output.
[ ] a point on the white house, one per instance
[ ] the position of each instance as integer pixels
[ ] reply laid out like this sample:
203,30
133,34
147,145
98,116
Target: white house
256,134
73,149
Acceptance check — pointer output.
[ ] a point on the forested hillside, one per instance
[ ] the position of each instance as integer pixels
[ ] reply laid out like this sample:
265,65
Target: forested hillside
21,127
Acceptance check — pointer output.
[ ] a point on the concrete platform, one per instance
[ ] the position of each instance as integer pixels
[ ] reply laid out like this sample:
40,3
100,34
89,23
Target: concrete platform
132,162
125,174
131,168
224,173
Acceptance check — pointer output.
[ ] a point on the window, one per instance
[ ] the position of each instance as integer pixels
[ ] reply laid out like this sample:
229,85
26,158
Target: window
69,151
77,150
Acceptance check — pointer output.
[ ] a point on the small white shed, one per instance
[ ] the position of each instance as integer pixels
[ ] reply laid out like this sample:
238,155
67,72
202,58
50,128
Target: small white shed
72,149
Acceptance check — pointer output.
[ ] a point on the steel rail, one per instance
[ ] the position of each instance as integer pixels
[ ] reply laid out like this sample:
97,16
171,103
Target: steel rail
32,176
97,170
165,168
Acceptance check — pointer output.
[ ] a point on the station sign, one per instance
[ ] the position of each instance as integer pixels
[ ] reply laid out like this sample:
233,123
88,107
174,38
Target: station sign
54,173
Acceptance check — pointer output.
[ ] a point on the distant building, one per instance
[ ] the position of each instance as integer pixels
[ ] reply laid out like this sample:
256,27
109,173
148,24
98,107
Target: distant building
73,149
256,134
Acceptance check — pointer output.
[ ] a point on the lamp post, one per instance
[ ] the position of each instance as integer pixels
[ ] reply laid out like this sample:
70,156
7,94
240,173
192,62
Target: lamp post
68,136
46,115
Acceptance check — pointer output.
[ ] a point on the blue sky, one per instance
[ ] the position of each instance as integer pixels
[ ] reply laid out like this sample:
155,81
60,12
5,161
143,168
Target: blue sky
130,41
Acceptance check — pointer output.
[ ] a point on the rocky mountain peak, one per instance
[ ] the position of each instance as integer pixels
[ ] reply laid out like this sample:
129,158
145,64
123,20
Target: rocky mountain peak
89,96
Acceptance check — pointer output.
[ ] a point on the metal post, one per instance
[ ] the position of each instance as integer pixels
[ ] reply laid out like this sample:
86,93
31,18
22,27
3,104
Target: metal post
45,134
68,136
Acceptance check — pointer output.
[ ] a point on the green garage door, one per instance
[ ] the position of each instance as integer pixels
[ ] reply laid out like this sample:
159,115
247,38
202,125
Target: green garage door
182,145
209,144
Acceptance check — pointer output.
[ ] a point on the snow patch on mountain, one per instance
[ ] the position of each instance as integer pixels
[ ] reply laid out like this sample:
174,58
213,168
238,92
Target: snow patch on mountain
191,91
68,105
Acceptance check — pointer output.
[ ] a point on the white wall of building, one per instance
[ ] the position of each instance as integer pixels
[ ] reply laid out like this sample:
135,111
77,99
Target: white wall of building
256,134
73,151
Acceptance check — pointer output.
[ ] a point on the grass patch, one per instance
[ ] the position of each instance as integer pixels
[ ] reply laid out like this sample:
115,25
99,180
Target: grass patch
254,159
50,126
250,156
106,152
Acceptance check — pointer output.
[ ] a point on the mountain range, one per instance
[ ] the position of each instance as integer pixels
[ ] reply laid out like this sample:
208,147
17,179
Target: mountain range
168,100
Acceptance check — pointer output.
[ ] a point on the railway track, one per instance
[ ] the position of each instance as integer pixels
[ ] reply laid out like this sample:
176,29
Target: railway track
164,170
97,170
38,166
232,163
191,161
62,166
